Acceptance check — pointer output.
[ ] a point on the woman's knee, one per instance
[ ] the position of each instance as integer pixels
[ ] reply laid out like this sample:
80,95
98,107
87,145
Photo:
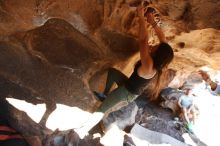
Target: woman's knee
113,70
112,105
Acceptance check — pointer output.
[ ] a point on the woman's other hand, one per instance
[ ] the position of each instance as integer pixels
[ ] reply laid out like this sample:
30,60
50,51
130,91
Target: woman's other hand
204,75
150,18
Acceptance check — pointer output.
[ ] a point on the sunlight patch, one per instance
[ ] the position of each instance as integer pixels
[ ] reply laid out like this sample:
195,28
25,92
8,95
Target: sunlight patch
66,117
62,118
35,112
206,127
113,137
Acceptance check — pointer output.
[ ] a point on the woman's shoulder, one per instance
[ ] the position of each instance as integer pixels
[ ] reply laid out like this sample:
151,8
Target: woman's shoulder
148,76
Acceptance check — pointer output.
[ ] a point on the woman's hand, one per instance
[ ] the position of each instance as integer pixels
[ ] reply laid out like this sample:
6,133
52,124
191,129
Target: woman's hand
150,18
204,75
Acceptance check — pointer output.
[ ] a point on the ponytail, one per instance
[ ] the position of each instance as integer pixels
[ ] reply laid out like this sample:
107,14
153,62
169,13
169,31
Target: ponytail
153,90
157,86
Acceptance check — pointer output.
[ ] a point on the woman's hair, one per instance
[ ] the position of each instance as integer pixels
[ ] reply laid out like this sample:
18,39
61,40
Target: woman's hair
162,56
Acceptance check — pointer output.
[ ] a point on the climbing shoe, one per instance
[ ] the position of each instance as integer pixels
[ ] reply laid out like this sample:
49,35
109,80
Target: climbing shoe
100,96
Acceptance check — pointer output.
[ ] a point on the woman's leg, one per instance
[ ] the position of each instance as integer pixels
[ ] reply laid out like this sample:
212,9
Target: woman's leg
115,100
114,76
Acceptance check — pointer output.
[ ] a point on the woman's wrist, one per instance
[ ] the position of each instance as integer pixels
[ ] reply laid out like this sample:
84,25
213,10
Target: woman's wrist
154,24
209,81
141,18
213,85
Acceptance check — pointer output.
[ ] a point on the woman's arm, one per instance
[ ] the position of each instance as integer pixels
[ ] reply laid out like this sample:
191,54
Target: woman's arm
208,80
146,60
213,85
159,32
185,112
179,102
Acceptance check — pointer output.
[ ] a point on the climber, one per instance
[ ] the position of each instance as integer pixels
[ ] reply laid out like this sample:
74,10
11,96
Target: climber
215,88
153,60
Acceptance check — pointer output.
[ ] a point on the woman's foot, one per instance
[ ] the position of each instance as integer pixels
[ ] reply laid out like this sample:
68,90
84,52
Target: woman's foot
101,96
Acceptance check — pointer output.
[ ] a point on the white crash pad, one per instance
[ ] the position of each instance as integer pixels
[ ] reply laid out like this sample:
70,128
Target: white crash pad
153,138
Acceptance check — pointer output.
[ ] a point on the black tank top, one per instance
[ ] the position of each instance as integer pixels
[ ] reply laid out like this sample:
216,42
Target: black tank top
136,84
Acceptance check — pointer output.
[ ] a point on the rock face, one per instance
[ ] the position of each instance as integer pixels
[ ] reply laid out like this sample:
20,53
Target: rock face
122,118
51,76
24,15
58,51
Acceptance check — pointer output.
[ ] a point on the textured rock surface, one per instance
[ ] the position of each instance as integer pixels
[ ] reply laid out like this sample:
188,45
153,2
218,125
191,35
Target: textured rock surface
122,118
157,119
51,76
57,51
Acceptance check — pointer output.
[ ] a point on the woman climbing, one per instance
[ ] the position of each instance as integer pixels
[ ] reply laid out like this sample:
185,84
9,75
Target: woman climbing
153,60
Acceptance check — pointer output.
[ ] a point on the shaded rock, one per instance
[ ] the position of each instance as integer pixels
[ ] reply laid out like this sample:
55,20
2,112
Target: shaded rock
156,118
21,122
34,69
63,138
33,141
123,117
58,42
120,44
170,98
181,44
10,89
26,15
